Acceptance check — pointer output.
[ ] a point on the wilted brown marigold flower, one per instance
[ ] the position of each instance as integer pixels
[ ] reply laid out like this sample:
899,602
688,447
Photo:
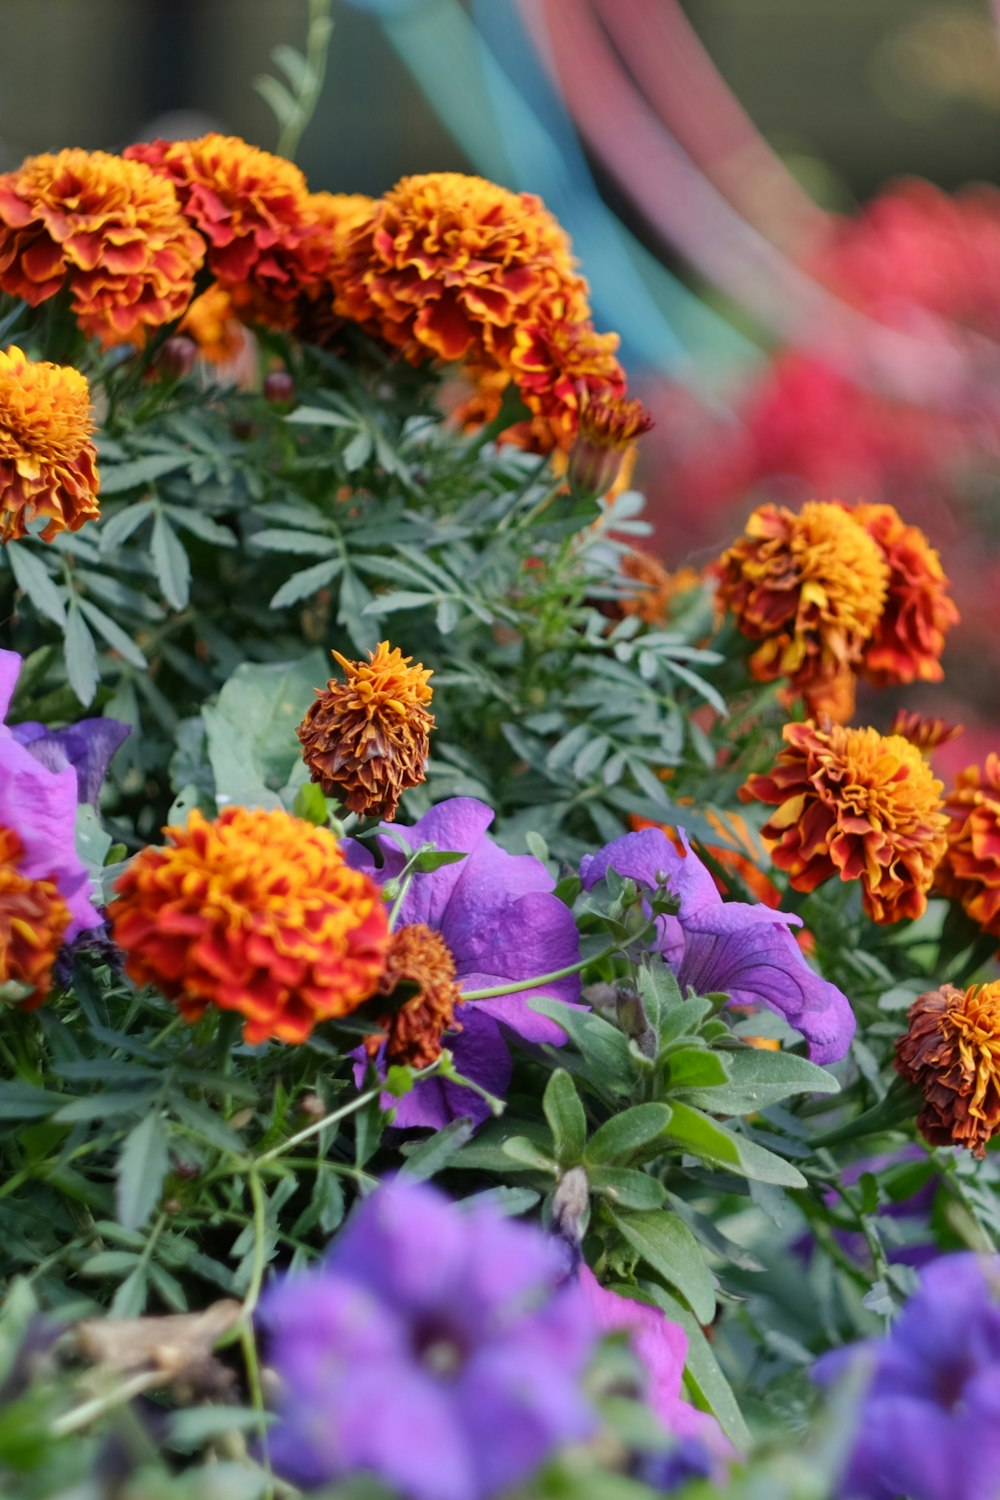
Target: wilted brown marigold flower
412,1033
255,912
33,922
926,734
48,464
855,804
970,870
446,260
110,230
367,739
810,587
951,1052
907,642
265,243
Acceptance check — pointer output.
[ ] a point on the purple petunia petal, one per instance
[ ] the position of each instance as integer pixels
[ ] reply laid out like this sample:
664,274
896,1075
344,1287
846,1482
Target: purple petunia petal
87,746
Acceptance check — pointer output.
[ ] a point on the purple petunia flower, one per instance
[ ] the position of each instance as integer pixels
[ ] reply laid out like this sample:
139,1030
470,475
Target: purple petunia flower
40,806
439,1348
499,918
87,746
732,947
929,1422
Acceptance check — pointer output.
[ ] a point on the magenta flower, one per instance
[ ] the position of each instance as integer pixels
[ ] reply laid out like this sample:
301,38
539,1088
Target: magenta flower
929,1422
40,806
732,947
498,916
439,1348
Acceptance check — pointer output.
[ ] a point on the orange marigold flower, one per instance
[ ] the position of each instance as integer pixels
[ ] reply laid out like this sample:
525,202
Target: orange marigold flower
212,322
810,587
265,243
908,640
367,739
255,912
48,464
33,922
951,1052
970,870
110,230
418,957
336,215
926,734
560,365
857,804
446,258
831,698
608,428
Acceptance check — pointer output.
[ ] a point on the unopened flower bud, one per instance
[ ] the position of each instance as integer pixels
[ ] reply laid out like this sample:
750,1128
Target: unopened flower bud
608,428
279,390
176,358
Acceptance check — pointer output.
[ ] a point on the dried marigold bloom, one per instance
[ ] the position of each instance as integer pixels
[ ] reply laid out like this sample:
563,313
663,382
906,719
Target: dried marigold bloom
926,734
908,640
810,587
412,1033
855,804
48,464
33,921
951,1052
255,912
446,259
608,427
265,242
367,739
970,870
110,230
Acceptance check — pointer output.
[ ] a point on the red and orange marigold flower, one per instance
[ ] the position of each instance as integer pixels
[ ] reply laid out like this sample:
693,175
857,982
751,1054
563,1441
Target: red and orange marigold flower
858,805
951,1052
447,261
256,912
608,428
109,230
48,464
366,740
265,244
908,640
810,587
926,734
970,870
33,921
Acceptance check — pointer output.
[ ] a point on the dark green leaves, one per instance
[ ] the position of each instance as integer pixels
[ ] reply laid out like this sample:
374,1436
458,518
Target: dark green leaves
142,1166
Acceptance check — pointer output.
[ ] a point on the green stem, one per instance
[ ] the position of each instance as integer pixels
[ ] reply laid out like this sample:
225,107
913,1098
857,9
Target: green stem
318,1125
538,979
317,51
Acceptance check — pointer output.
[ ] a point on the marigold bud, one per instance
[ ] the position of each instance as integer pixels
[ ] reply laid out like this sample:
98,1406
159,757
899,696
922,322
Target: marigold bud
279,390
608,427
366,740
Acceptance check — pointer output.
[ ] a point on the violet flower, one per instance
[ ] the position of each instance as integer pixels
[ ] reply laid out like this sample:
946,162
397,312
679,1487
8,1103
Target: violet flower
498,916
929,1422
744,951
438,1347
40,806
87,746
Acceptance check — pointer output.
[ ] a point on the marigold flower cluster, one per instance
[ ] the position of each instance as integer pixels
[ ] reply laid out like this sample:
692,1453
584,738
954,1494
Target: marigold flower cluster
366,740
858,805
48,463
108,230
834,592
256,912
970,870
33,922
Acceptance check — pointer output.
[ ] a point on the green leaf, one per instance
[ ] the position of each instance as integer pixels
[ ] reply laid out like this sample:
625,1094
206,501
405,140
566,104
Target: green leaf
283,540
116,529
311,804
251,741
105,1105
430,860
173,568
759,1078
627,1132
318,416
565,1114
695,1068
703,1373
142,1166
32,577
627,1188
427,1158
116,479
526,1154
23,1101
81,657
603,1046
304,584
113,634
696,1134
669,1248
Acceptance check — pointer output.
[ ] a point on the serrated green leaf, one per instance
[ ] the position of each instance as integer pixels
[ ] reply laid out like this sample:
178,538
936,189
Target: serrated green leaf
32,578
113,634
171,562
669,1248
427,1158
116,479
141,1168
81,657
304,584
